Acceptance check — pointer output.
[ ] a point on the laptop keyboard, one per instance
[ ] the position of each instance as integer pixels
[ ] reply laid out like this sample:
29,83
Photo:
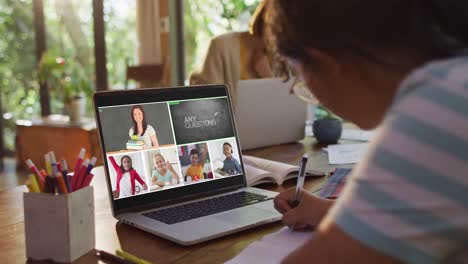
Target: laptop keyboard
211,206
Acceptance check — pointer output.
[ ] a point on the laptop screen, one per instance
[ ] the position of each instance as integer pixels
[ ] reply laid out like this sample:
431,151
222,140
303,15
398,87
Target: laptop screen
174,145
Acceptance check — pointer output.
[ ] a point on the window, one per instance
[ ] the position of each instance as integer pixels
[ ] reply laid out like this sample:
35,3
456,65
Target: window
205,19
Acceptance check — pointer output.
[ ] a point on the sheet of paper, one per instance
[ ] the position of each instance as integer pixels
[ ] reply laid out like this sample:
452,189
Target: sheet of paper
272,248
346,153
357,134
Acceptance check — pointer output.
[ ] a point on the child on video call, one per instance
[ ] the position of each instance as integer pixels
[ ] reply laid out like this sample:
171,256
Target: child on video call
126,176
195,171
163,173
231,165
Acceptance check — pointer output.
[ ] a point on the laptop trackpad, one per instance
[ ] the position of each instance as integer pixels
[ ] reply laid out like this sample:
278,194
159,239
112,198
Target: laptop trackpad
245,216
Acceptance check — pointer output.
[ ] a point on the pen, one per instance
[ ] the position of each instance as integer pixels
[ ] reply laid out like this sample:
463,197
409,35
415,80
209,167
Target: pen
88,171
39,179
78,177
300,182
111,257
47,164
43,174
59,167
62,176
33,168
31,183
64,167
79,161
87,181
131,258
91,165
65,174
61,183
53,163
49,184
57,178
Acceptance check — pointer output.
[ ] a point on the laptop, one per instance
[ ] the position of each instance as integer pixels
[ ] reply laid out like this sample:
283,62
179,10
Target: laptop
265,107
174,178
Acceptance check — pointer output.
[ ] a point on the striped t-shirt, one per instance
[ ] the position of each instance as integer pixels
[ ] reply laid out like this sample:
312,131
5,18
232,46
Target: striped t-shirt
146,137
409,197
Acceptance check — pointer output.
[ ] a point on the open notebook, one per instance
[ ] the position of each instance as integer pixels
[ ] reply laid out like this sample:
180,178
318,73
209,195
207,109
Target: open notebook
258,170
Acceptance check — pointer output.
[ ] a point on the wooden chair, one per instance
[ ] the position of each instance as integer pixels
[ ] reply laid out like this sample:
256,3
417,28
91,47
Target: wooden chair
148,75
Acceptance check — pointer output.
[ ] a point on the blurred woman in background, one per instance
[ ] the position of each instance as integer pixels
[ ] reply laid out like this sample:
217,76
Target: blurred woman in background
236,56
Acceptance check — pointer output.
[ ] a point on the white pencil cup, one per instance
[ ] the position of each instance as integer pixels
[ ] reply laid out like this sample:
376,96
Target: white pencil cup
59,227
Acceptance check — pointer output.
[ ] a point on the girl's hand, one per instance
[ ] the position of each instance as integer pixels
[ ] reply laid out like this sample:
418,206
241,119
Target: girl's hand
309,212
169,166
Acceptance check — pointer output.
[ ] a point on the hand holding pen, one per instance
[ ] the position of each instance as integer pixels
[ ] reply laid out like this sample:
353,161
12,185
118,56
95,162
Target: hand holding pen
300,183
300,208
307,214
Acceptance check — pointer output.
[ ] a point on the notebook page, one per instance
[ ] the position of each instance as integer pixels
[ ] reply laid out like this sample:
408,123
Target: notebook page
346,153
272,248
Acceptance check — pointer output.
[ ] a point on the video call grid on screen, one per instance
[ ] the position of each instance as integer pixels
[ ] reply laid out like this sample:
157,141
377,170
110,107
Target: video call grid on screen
181,127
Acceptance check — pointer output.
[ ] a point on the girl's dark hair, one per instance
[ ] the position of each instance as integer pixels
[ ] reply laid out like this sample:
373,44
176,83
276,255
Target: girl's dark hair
121,163
438,28
135,127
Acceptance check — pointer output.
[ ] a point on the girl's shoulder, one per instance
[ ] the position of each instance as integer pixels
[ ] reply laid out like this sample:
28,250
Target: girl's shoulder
449,73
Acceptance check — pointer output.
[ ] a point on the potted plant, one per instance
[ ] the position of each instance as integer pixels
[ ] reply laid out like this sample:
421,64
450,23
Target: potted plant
327,127
67,82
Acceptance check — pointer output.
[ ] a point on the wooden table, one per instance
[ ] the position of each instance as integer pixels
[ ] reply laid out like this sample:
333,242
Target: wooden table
111,235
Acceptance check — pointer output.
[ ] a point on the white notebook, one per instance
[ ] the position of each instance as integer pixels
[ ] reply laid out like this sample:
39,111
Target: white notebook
272,248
